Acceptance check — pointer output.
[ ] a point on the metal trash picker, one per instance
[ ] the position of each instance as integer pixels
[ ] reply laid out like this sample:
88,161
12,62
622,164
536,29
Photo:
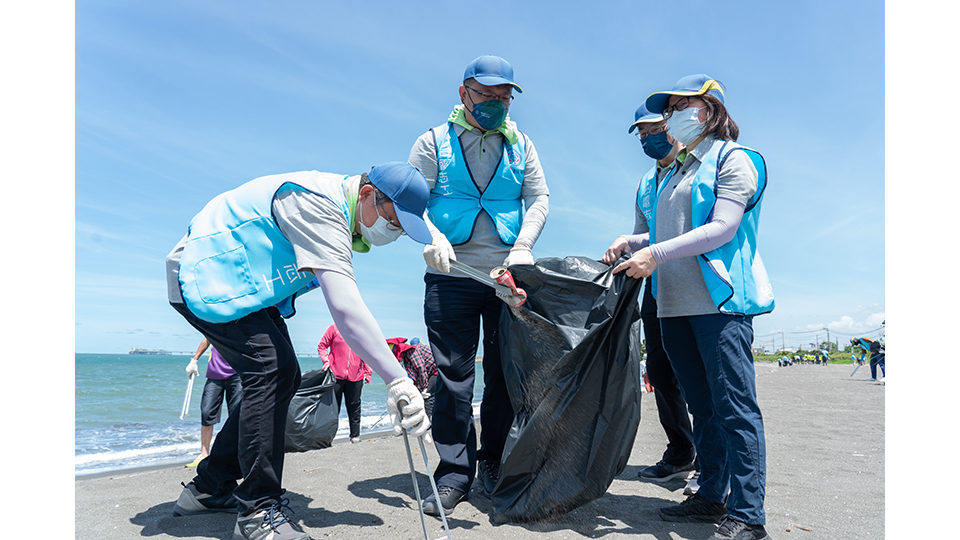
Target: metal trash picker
416,487
500,279
186,399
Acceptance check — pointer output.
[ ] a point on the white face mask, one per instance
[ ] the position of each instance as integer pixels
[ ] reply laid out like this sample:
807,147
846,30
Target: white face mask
381,232
685,125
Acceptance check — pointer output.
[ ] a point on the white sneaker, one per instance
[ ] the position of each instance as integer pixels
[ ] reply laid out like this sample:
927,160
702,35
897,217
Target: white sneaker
355,440
693,483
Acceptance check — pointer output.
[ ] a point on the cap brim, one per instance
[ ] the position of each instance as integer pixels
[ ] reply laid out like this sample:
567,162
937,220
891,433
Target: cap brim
496,81
656,103
413,225
652,119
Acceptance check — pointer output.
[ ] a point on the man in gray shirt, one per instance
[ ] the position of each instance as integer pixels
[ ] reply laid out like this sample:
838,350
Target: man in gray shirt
488,204
234,277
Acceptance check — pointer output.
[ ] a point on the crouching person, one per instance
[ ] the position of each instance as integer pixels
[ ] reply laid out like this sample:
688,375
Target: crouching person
234,277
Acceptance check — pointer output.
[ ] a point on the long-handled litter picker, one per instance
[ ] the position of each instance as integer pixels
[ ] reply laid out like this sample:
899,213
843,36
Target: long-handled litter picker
500,279
855,369
186,399
416,487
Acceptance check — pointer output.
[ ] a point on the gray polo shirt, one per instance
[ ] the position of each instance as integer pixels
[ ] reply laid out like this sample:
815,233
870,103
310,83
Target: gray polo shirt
482,153
681,290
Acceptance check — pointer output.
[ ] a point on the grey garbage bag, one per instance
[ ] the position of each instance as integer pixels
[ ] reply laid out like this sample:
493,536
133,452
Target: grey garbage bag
574,384
313,417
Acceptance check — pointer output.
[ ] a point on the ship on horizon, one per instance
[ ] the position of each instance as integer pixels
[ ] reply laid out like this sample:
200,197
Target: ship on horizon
148,351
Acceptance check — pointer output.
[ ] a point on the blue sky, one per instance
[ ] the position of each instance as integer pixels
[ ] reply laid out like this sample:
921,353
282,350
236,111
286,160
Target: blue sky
179,101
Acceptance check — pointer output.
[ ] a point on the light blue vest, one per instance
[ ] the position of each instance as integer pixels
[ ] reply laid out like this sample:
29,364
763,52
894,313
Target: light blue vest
455,201
236,259
734,273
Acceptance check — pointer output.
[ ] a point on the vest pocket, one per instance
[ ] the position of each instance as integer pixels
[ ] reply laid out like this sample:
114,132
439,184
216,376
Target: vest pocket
226,276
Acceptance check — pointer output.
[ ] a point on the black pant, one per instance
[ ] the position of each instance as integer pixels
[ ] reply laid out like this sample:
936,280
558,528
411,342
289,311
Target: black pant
454,311
671,406
251,444
350,391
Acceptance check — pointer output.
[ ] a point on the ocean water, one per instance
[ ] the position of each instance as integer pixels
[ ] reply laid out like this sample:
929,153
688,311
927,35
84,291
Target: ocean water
127,410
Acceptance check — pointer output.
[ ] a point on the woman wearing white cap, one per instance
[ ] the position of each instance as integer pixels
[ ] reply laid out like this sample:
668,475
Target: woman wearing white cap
709,283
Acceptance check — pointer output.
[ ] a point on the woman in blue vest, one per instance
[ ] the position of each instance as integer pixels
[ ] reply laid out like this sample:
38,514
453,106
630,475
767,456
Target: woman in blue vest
709,283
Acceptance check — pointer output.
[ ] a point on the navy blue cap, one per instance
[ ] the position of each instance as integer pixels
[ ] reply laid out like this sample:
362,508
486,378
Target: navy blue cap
490,70
408,189
691,85
642,116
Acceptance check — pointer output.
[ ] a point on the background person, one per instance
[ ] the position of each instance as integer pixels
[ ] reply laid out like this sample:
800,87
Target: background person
482,172
221,381
351,373
679,458
287,234
417,359
709,284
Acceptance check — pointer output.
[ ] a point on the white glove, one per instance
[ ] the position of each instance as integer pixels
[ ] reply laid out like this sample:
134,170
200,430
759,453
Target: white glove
412,417
439,253
192,368
519,254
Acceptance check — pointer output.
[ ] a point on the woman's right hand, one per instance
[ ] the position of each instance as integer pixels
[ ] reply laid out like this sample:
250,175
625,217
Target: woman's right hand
615,250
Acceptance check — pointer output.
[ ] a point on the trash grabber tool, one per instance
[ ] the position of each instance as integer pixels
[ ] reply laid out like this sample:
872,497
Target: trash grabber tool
855,369
186,399
416,487
500,279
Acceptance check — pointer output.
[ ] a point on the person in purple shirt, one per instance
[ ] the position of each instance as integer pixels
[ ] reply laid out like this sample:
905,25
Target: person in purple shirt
221,380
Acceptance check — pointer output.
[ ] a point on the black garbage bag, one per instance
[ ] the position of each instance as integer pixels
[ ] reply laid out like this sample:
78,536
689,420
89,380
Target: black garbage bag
313,416
574,385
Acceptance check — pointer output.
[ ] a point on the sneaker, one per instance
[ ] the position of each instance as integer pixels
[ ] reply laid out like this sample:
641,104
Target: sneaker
354,440
693,483
489,474
268,524
734,529
192,502
195,462
694,509
663,471
449,497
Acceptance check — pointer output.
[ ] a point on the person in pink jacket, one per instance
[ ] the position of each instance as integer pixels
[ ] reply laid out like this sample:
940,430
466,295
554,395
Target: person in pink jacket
350,371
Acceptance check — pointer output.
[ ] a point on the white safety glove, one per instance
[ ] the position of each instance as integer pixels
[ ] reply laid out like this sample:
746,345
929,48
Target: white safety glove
192,368
519,254
439,253
412,417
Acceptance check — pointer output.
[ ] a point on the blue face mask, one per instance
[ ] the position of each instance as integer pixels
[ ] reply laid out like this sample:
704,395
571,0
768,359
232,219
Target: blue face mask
489,114
656,146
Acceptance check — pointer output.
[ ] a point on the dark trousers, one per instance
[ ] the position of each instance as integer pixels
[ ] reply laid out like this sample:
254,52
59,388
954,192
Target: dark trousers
455,309
211,402
350,390
671,407
877,359
713,362
251,444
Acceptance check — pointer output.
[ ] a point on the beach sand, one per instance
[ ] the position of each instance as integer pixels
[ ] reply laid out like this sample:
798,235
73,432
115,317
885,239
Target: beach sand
825,479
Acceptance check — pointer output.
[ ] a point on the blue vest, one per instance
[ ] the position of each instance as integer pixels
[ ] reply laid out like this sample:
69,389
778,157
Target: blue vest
734,273
236,259
455,201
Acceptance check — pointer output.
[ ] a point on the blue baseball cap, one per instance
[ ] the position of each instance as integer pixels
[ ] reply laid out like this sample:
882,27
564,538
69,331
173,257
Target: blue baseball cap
408,189
490,70
691,85
643,116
